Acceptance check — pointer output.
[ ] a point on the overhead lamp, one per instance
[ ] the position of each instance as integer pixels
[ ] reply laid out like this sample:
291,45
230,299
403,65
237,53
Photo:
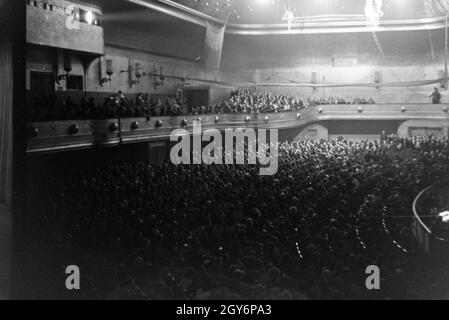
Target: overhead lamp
109,72
131,73
67,68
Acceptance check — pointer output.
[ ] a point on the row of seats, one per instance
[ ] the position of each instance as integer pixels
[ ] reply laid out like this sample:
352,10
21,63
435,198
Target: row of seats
225,232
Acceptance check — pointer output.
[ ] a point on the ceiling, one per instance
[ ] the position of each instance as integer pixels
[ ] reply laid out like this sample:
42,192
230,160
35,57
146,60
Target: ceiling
272,11
188,17
137,15
122,12
149,30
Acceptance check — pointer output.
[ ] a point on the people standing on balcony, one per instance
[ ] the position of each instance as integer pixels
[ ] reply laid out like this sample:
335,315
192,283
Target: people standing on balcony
242,101
436,96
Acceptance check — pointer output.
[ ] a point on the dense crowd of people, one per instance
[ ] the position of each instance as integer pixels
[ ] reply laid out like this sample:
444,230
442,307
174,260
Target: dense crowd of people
225,232
119,105
253,101
116,106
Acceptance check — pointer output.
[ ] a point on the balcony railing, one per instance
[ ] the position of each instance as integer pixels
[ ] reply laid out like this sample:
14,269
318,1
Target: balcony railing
427,240
75,134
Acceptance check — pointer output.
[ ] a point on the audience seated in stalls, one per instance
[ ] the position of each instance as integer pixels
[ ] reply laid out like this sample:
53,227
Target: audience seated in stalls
225,232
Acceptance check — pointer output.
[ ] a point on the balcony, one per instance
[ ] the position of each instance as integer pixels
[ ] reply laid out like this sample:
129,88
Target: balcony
72,135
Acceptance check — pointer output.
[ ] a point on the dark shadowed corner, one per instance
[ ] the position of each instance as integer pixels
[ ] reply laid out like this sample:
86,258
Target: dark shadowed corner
5,253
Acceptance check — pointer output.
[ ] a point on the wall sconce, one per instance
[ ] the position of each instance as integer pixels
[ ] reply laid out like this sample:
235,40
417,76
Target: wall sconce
445,109
267,119
181,77
67,69
320,110
200,120
298,116
139,74
184,123
403,109
217,119
158,123
247,119
130,71
360,109
109,72
161,74
158,77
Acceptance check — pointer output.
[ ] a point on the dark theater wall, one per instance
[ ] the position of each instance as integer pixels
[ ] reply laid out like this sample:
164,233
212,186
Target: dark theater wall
6,109
12,142
53,164
6,148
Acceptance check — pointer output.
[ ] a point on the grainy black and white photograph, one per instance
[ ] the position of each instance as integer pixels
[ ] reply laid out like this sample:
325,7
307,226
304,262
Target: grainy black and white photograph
224,155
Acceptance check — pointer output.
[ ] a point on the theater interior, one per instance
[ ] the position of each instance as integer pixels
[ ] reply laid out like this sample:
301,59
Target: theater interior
356,90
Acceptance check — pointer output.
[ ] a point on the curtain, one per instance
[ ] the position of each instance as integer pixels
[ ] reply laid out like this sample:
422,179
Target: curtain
6,129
